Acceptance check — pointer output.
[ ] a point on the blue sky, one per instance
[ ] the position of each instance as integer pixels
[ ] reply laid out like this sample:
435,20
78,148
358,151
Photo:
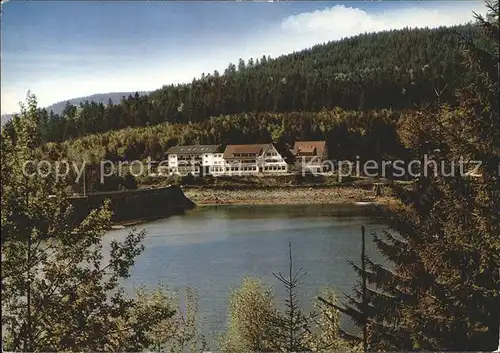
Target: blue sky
66,49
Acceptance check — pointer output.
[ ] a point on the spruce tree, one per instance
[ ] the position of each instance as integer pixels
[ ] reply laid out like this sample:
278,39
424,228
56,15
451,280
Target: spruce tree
442,291
295,325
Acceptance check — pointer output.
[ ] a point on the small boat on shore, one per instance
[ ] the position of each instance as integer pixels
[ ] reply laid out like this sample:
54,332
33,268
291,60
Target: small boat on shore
118,226
365,203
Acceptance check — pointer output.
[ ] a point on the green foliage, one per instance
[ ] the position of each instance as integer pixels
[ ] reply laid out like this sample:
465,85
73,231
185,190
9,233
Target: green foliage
295,326
327,336
60,293
60,289
368,134
181,332
387,70
257,325
252,319
442,292
348,133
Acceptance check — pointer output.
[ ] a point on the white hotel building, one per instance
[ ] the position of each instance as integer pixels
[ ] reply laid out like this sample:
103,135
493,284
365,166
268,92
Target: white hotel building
196,159
236,160
253,159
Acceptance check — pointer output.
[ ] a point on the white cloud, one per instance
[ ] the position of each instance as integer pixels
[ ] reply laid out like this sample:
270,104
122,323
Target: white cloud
292,33
307,29
341,20
10,100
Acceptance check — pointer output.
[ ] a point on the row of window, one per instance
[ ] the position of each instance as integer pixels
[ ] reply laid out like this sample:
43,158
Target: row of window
184,170
269,154
233,169
244,154
223,163
250,168
275,167
189,158
248,161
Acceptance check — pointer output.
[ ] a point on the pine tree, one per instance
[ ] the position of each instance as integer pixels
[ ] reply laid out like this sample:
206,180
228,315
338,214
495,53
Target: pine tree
294,325
443,290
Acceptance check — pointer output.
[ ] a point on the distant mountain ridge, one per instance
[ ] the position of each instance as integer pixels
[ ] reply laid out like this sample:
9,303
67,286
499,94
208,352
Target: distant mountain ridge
5,118
58,107
116,97
397,69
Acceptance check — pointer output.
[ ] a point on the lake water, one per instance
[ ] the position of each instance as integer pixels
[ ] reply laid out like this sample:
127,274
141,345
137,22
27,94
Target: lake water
211,249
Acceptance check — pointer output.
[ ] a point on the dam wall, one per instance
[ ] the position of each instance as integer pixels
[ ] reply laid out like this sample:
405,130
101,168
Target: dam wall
135,205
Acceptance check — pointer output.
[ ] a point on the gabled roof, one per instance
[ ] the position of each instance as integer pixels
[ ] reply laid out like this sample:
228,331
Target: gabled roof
193,149
315,147
240,149
307,149
247,149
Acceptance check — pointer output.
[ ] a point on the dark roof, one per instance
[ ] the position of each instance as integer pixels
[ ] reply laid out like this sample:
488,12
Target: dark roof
193,149
309,147
251,149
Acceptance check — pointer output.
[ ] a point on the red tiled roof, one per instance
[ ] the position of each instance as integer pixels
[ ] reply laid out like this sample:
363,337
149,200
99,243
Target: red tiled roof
244,149
309,147
247,149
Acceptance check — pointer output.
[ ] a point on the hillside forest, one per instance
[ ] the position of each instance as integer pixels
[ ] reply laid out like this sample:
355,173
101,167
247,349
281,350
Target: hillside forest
395,94
393,70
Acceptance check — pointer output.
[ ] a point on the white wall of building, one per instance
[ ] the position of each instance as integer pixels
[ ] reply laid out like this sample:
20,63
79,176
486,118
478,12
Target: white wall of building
270,162
184,163
218,166
273,162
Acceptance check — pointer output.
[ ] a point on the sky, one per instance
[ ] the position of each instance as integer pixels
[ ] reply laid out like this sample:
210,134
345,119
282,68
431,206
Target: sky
67,49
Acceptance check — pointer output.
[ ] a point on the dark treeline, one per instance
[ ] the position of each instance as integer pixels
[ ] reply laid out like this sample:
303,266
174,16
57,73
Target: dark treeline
368,134
441,290
436,290
388,70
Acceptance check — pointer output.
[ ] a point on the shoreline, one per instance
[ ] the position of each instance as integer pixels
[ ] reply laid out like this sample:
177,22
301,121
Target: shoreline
276,195
287,196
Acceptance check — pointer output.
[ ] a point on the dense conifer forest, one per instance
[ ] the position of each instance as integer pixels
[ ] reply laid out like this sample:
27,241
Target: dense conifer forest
393,94
395,70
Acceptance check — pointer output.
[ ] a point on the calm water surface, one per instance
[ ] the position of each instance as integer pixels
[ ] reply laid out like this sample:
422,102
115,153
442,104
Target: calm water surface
211,249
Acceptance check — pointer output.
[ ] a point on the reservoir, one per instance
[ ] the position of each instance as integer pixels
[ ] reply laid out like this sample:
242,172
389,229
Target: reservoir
211,249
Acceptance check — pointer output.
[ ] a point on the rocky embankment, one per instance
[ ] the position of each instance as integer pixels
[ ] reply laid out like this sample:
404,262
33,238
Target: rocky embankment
284,195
